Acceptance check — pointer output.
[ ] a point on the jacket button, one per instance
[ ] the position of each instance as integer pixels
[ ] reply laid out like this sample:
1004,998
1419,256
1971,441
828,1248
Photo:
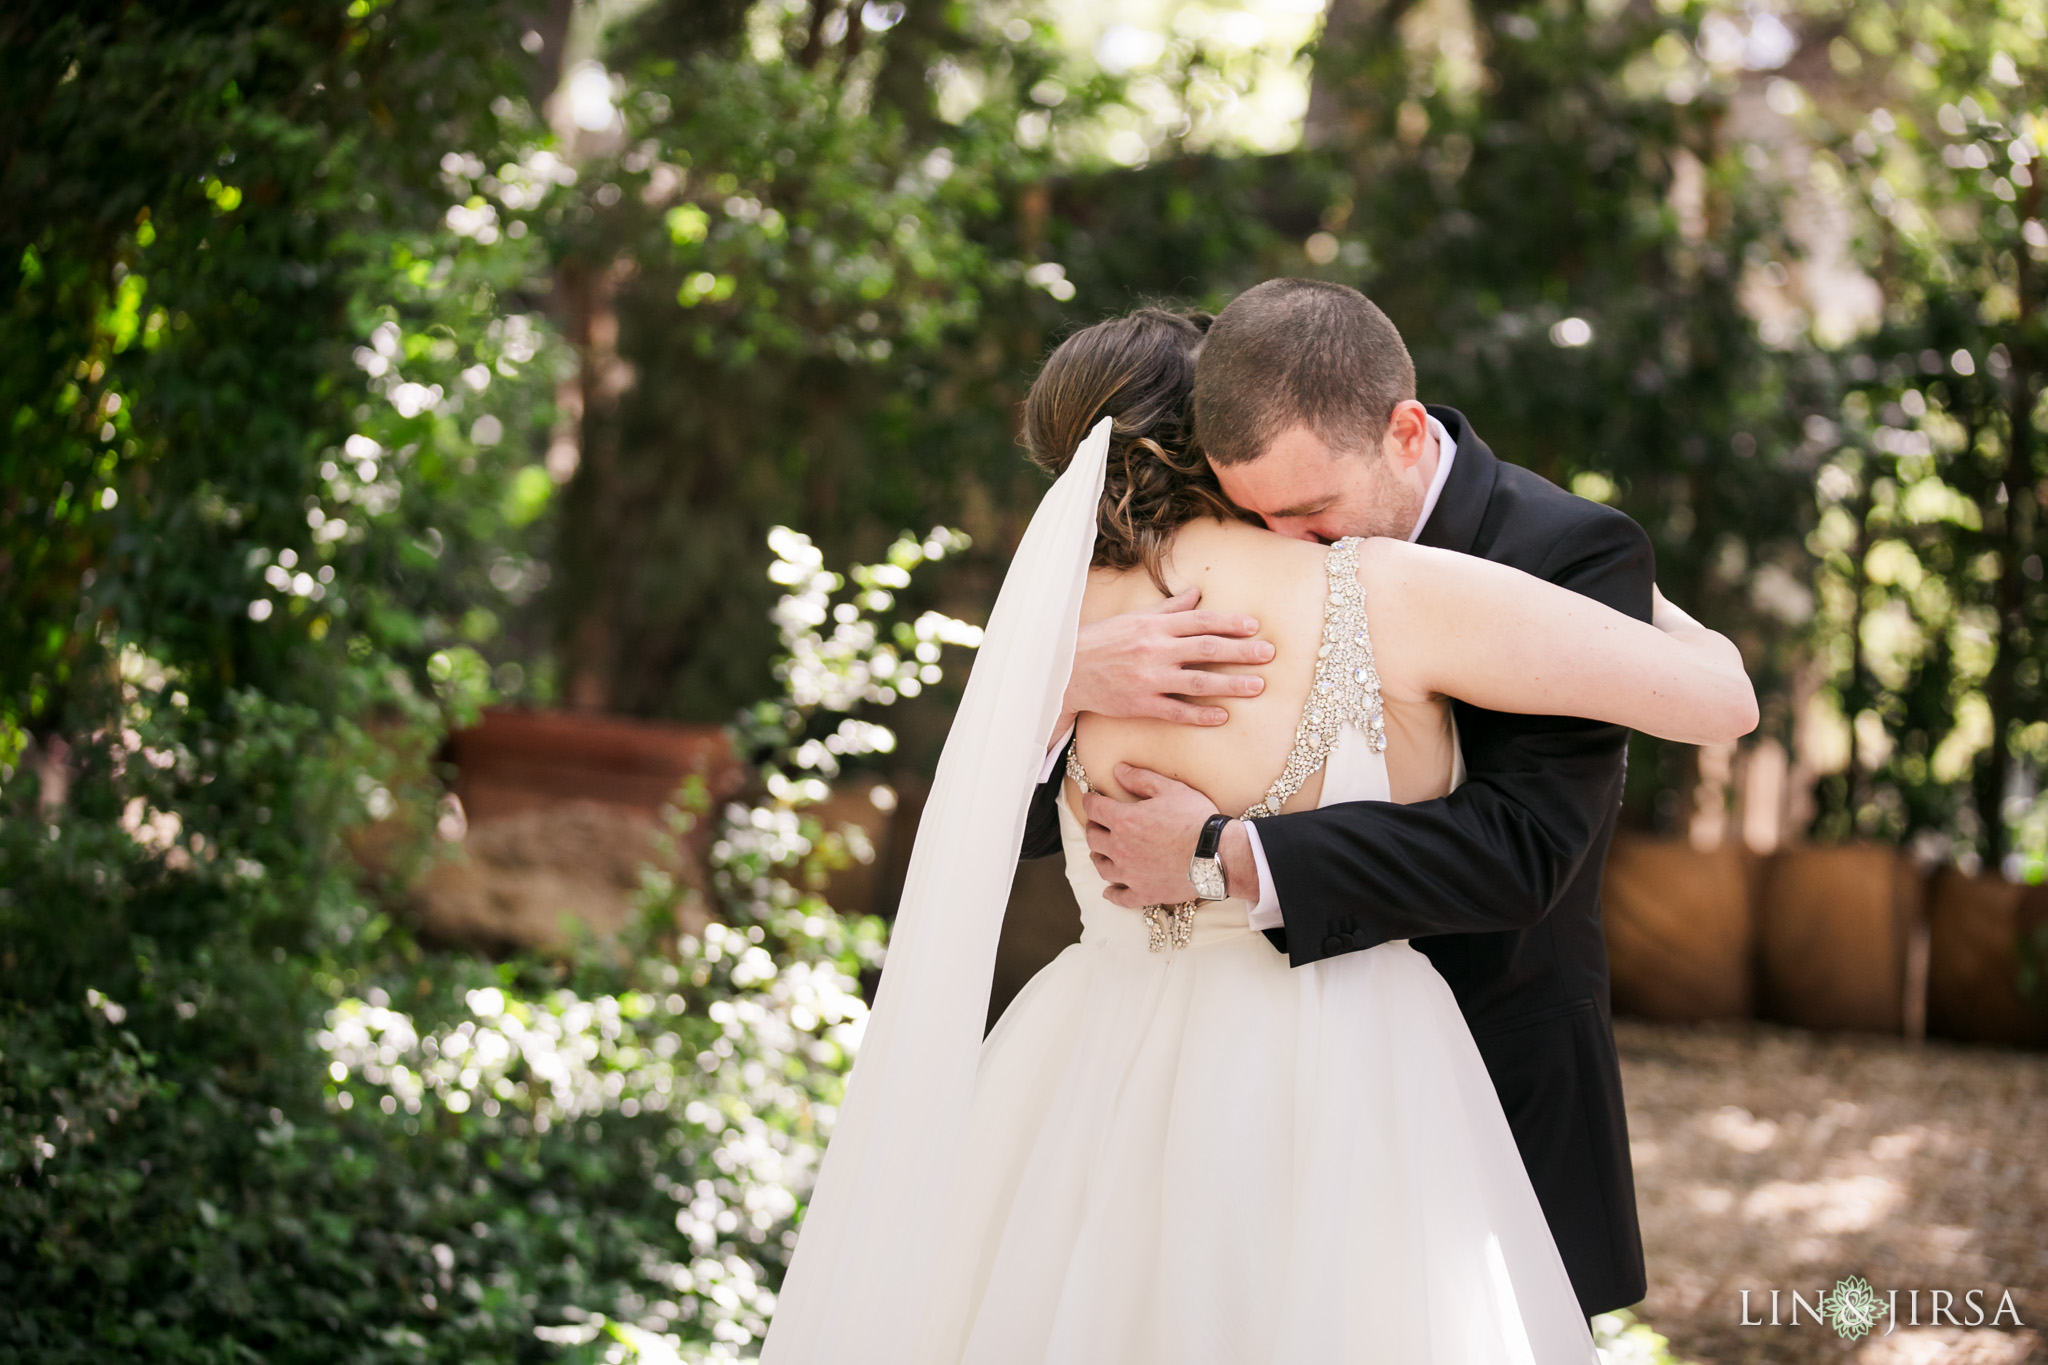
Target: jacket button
1336,943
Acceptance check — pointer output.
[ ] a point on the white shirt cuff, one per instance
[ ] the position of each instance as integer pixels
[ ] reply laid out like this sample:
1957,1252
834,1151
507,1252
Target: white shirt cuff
1052,757
1265,911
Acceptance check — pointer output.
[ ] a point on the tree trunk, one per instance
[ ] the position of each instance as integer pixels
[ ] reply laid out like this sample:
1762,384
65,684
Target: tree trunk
590,594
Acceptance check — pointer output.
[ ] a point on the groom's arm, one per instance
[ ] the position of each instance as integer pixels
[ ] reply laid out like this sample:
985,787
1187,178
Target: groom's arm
1494,854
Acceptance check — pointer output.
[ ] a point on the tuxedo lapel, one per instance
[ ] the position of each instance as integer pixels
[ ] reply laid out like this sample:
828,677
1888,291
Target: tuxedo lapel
1455,520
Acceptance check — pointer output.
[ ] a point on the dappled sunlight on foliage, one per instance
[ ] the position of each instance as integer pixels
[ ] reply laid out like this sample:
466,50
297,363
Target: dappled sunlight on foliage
370,364
531,1150
1930,624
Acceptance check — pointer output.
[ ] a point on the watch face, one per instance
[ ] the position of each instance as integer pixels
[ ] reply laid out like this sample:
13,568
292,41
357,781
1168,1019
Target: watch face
1207,875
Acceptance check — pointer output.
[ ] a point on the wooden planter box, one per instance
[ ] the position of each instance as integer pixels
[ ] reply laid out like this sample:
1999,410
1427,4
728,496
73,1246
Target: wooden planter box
1681,930
1833,933
1975,926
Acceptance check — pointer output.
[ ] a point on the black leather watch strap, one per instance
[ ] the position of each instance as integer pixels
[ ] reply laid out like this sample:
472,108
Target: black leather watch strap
1211,836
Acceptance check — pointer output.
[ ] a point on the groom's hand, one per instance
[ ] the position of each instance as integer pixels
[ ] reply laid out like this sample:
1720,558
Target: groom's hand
1151,663
1142,847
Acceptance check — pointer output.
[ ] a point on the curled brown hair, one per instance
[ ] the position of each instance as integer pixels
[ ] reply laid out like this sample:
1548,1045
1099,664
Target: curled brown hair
1139,370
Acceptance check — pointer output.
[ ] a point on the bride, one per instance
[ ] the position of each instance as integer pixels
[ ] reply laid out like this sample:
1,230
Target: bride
1134,1168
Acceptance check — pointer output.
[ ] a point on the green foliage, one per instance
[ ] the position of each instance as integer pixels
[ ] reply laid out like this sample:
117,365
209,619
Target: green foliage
847,370
250,502
290,295
157,937
474,1161
798,268
184,289
1932,610
210,216
1623,1340
277,390
603,1140
1558,225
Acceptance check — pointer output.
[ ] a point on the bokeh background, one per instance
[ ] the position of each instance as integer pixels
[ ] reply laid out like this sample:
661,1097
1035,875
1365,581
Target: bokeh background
496,497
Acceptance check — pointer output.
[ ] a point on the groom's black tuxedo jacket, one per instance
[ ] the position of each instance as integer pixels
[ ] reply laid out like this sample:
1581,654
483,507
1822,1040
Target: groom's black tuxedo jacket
1499,882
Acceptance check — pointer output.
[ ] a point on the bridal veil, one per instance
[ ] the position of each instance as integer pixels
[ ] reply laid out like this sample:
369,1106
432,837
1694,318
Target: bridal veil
863,1258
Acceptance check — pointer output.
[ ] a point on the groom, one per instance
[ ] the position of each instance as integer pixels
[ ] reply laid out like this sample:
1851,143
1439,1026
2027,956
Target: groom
1305,407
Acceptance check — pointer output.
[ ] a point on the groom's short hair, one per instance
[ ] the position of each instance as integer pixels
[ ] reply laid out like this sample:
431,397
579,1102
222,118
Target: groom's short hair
1291,353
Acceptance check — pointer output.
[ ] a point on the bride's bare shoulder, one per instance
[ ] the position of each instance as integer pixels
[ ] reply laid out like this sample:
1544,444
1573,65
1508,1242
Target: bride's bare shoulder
1413,590
1238,546
1205,554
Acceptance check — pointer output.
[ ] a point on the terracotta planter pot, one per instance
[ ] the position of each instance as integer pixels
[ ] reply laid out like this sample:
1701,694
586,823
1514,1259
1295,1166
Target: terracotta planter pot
1681,930
1975,926
563,810
525,880
515,761
1833,932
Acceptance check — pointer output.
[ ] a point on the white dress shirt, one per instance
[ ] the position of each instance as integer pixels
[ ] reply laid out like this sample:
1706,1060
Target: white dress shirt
1265,910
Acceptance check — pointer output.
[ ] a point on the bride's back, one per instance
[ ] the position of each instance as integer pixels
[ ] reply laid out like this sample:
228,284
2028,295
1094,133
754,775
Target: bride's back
1244,569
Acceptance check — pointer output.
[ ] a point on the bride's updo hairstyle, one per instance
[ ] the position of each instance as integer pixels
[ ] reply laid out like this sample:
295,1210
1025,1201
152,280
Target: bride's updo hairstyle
1139,370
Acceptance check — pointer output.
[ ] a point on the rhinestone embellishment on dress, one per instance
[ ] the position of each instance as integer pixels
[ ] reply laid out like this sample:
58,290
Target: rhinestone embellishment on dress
1347,685
1346,691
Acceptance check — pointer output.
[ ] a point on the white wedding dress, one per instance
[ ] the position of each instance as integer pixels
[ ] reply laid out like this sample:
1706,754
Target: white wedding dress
1199,1156
1204,1155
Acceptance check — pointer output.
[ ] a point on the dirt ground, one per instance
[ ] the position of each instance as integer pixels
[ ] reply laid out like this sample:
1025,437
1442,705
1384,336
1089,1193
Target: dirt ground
1768,1158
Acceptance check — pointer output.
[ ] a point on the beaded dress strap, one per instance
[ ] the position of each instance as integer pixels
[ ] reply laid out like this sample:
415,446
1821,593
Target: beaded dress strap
1075,770
1346,690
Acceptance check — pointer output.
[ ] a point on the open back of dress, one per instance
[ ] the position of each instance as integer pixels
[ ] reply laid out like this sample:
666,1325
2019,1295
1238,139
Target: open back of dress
1204,1155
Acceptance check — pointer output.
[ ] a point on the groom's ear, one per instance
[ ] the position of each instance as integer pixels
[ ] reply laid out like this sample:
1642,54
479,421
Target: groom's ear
1407,435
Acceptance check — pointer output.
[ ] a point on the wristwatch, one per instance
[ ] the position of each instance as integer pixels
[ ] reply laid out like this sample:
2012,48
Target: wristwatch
1205,869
